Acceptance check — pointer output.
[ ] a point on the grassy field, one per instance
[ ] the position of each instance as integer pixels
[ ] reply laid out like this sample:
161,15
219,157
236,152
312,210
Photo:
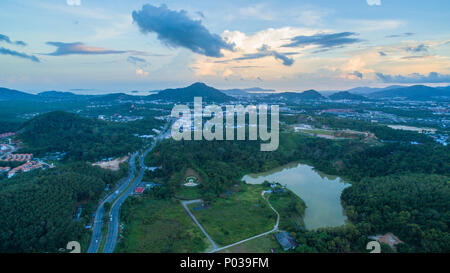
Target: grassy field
291,209
188,193
159,226
240,216
259,245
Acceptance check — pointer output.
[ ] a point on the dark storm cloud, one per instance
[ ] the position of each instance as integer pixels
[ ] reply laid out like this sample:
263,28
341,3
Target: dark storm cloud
264,51
78,48
325,41
5,51
176,29
433,77
6,39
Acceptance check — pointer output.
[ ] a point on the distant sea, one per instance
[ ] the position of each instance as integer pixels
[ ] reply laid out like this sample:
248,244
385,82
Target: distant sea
102,92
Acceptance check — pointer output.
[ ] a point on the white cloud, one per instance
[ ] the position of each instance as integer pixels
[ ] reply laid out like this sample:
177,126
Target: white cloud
372,25
73,2
374,2
141,72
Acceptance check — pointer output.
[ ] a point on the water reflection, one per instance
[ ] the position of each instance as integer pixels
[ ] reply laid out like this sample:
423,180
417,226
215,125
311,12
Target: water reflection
320,192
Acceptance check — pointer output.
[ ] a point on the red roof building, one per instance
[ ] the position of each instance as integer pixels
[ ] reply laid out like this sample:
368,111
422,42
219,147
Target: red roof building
29,166
19,157
6,135
4,169
139,190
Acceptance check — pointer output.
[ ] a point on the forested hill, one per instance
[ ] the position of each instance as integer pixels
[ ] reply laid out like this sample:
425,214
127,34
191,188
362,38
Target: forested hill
81,138
416,92
187,94
9,94
307,95
346,96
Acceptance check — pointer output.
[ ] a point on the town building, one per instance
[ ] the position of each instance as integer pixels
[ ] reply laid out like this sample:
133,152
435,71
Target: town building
5,135
27,167
139,190
286,241
388,239
18,157
4,169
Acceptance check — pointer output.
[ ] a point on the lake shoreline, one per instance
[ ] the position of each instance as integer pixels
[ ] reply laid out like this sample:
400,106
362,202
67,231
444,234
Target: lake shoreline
320,192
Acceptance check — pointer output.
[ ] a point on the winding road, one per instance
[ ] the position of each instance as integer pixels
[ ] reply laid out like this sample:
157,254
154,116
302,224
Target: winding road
96,237
119,196
185,205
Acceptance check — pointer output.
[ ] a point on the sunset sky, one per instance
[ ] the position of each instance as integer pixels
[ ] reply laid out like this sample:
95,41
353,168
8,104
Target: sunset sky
289,45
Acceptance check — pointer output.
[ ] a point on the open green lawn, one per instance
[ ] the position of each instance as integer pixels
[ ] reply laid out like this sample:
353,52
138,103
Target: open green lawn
240,216
159,226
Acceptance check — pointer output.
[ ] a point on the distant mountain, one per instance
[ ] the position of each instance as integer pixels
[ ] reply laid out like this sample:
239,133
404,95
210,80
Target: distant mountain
416,92
62,96
56,94
245,91
9,94
114,97
292,96
187,94
344,95
362,90
369,90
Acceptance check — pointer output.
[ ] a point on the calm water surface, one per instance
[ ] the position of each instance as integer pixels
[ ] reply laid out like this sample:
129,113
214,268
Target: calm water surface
320,192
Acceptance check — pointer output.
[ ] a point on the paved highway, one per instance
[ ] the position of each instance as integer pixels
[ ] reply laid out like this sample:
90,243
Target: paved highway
113,230
96,237
123,190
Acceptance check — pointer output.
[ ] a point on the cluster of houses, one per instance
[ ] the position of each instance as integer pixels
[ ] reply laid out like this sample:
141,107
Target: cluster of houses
5,135
27,167
18,157
4,149
4,169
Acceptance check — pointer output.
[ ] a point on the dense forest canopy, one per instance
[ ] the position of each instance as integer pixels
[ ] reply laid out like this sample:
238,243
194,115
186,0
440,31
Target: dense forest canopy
82,138
37,208
390,182
415,207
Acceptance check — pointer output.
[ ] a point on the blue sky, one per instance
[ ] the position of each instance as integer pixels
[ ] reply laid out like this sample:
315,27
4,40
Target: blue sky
289,45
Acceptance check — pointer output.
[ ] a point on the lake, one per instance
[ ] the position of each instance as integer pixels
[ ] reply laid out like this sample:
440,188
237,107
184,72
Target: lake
321,193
